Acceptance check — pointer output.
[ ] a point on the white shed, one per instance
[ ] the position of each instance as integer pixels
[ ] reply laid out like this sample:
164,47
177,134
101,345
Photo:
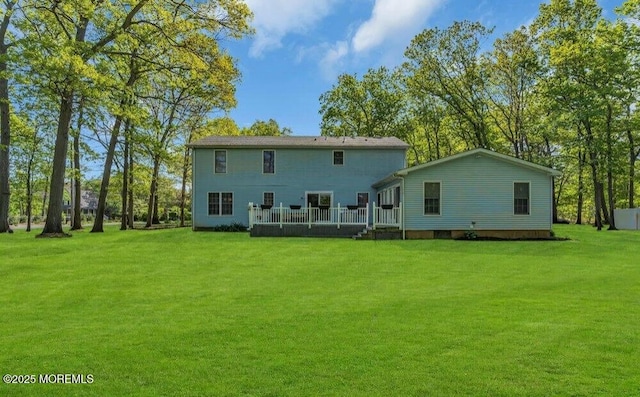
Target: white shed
628,219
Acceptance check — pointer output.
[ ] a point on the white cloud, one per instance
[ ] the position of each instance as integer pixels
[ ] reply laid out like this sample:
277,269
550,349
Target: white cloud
274,19
333,57
391,18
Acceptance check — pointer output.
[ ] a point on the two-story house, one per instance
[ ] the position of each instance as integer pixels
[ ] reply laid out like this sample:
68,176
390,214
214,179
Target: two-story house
328,186
238,177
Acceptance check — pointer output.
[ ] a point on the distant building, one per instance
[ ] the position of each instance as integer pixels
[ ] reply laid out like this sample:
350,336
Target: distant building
88,204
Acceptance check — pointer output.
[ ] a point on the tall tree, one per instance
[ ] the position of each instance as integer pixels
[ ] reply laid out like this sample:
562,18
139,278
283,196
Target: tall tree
5,126
513,72
181,45
372,106
445,64
62,40
630,41
566,33
76,184
259,128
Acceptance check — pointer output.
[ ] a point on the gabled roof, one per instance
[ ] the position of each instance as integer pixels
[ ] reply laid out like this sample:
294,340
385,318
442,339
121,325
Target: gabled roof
305,142
474,152
88,200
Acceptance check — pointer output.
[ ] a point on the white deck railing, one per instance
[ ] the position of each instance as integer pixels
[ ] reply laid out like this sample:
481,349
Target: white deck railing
387,216
308,215
349,215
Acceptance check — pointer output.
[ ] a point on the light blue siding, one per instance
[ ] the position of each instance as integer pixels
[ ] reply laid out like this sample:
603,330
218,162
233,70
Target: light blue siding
479,189
297,171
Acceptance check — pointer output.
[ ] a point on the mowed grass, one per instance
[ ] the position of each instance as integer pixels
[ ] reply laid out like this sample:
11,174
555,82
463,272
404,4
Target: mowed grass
178,313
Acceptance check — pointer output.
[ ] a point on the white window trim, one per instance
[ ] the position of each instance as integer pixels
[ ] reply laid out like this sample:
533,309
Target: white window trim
318,192
388,194
274,162
274,198
226,158
333,158
359,193
423,198
513,199
233,206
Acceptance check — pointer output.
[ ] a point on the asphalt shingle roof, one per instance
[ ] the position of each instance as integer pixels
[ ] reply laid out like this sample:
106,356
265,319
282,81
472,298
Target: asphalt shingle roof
299,142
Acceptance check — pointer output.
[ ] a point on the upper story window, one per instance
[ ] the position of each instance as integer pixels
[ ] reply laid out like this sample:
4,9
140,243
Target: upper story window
268,161
521,198
338,157
220,162
432,198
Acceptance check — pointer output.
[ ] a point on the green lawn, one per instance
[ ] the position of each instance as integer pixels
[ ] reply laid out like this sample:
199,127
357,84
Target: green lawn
178,313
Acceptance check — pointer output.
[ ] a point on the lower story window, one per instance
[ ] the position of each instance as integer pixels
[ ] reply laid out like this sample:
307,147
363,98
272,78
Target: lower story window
432,198
363,199
220,203
268,198
521,198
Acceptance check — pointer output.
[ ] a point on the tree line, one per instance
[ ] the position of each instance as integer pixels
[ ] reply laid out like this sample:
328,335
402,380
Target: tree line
135,78
127,83
562,92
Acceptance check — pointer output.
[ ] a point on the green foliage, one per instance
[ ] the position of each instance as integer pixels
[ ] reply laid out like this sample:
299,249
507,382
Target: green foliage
233,227
266,128
370,107
445,64
230,315
470,235
219,126
561,93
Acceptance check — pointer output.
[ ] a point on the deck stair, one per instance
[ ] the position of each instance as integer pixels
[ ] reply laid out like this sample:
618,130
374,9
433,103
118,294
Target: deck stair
386,233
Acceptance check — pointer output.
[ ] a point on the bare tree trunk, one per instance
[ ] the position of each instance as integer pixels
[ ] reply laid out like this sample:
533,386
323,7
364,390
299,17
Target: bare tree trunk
130,210
45,195
597,187
593,163
183,190
98,223
5,126
610,190
29,193
612,218
151,206
633,155
603,205
76,219
581,162
156,219
53,224
125,178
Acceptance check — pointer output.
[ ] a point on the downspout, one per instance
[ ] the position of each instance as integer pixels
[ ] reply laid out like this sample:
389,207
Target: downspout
404,198
193,188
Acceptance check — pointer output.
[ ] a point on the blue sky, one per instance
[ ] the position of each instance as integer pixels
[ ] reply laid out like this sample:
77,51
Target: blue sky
301,46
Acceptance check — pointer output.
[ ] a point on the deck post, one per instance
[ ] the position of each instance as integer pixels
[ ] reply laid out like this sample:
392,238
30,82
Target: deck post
366,218
309,215
251,218
280,218
338,216
375,216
